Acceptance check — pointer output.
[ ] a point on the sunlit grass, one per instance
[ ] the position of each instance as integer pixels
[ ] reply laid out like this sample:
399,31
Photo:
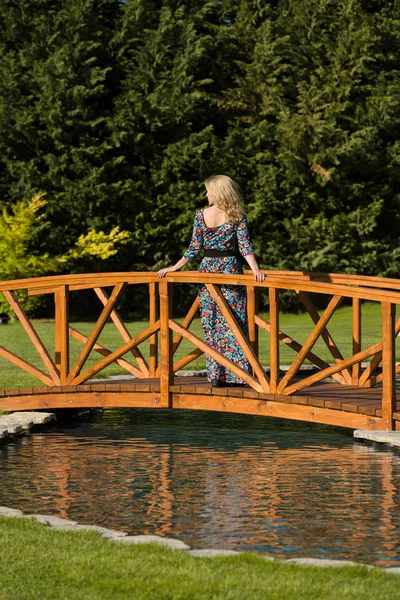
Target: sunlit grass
38,563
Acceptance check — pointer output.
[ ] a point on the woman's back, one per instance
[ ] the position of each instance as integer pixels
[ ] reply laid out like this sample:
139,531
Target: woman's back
214,217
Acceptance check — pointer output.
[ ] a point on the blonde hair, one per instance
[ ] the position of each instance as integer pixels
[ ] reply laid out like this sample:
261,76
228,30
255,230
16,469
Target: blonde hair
227,195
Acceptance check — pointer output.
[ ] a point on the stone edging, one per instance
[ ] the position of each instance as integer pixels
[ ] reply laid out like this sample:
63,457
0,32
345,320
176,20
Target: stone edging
20,422
174,544
380,437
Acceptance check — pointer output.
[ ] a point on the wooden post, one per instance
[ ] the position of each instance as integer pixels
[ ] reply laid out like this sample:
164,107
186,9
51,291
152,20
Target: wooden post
166,358
252,310
356,369
388,364
62,332
154,338
274,338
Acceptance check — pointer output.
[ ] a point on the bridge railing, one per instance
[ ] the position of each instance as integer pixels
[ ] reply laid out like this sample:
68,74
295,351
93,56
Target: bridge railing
165,333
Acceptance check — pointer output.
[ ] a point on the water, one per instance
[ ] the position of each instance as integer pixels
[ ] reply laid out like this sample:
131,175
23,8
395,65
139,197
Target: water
214,481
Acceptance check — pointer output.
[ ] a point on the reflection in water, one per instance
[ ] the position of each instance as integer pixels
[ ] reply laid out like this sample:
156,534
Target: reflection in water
214,480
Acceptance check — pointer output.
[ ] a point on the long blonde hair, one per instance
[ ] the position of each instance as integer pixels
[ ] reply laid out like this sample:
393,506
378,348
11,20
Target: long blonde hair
227,196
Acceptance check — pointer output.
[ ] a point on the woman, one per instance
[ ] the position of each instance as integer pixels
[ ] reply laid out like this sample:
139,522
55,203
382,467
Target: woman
219,230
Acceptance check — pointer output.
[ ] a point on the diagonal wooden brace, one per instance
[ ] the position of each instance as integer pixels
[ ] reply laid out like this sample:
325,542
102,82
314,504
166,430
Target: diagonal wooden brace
33,336
225,309
312,338
98,328
126,336
177,327
326,336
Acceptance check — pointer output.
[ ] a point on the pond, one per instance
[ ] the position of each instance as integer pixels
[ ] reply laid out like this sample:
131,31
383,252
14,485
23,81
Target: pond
214,480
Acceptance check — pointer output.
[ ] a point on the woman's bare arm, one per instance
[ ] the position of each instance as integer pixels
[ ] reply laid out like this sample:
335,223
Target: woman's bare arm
258,275
181,263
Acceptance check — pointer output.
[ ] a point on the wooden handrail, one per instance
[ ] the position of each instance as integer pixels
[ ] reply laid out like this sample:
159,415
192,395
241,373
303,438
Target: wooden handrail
352,286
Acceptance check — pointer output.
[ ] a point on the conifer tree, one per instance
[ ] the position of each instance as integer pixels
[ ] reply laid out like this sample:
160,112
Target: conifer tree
56,77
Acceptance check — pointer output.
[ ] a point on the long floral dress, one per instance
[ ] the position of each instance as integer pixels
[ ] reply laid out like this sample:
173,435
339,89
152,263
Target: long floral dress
217,332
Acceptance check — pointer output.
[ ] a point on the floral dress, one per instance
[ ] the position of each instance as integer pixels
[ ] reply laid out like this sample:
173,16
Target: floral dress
217,332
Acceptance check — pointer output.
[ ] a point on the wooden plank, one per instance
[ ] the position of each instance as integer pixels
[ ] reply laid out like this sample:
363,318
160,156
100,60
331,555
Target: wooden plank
348,362
107,360
350,286
312,338
313,401
250,393
326,336
81,281
113,387
274,338
225,309
91,280
175,326
367,410
61,300
98,328
289,283
360,280
349,407
80,337
252,309
153,340
123,331
33,336
166,350
388,364
270,408
288,341
25,366
356,330
13,392
100,399
42,291
187,321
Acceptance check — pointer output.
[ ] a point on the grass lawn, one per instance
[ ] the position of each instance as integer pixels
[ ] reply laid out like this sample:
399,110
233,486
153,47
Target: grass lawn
13,338
39,563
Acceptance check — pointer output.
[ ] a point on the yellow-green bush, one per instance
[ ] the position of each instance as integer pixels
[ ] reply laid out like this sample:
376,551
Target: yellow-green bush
18,262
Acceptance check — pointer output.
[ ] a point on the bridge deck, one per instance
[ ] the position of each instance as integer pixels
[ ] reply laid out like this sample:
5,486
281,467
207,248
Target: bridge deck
330,403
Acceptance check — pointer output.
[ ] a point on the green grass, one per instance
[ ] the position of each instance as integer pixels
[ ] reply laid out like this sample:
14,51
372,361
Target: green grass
40,563
13,338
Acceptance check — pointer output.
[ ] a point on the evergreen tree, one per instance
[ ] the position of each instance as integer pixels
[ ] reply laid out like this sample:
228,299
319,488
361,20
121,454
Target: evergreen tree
317,134
163,121
56,77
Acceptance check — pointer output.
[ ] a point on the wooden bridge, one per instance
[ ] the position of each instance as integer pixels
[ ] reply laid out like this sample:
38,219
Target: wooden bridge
357,391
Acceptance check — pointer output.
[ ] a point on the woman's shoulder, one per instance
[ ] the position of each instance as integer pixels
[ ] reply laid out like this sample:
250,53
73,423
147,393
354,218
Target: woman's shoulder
242,219
198,217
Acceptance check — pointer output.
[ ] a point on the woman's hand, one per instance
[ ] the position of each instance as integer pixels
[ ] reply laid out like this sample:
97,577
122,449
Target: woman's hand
181,263
162,272
259,276
253,264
